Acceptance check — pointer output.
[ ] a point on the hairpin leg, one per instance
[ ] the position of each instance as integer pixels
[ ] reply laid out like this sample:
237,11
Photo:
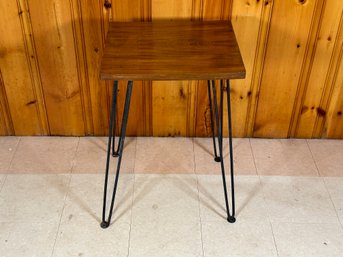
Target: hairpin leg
231,150
114,122
219,125
104,223
216,157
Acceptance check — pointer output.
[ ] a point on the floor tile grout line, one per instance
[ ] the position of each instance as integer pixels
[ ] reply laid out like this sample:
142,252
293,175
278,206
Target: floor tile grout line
199,209
74,157
271,228
264,201
253,157
10,164
131,216
15,151
133,197
314,160
270,223
291,222
134,159
323,181
304,223
65,198
327,190
60,219
201,229
3,182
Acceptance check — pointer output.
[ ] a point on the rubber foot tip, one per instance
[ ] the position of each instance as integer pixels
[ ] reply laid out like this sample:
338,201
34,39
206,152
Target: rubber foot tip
231,219
115,154
104,224
217,159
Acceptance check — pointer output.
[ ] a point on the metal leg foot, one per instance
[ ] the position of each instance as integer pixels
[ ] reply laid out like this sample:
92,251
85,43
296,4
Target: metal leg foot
231,219
217,159
105,223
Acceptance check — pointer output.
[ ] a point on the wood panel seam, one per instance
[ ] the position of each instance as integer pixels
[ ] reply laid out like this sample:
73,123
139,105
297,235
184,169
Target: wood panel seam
80,80
107,84
36,82
150,116
5,110
189,94
329,82
296,110
195,111
258,67
144,107
83,83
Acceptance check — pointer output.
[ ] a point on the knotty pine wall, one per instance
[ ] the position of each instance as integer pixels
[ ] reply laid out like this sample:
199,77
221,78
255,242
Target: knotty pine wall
292,49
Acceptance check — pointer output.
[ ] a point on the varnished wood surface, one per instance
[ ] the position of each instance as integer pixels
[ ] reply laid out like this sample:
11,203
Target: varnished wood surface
171,50
292,52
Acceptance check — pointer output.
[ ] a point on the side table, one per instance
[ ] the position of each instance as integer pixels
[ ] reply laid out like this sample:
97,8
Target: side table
172,50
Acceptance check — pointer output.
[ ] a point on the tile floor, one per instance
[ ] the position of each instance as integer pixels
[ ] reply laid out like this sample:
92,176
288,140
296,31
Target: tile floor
289,198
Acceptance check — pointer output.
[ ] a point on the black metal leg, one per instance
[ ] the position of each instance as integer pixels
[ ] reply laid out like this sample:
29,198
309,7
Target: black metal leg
231,149
114,121
216,157
221,110
104,223
219,124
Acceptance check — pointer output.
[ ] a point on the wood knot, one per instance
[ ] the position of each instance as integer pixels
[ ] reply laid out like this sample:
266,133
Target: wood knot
321,112
31,102
182,94
302,1
107,4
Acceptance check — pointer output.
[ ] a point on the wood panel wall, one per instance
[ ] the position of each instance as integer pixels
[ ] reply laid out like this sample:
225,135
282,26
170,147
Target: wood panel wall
292,49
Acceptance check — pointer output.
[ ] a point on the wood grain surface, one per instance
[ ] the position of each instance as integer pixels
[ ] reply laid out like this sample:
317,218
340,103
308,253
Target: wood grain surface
171,50
292,50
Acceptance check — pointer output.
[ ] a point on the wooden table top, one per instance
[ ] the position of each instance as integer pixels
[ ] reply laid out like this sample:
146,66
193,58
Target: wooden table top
171,50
